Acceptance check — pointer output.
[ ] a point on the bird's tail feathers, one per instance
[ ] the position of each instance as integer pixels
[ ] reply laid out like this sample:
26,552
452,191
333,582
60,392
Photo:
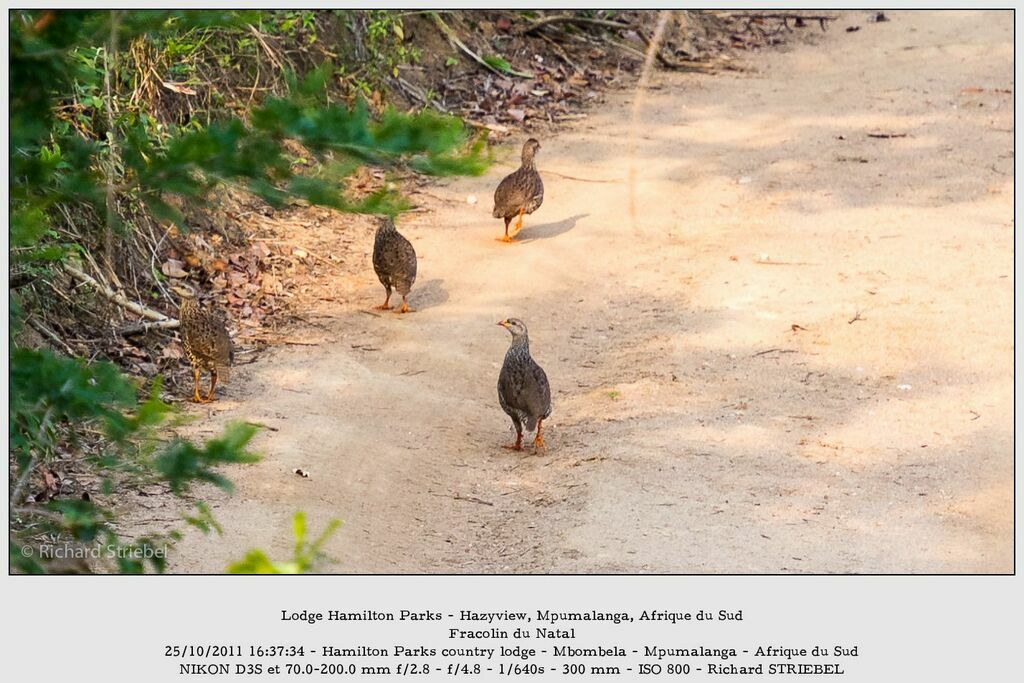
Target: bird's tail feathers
530,423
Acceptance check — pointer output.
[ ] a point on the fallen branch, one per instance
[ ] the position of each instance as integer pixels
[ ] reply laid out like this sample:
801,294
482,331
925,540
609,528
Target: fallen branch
798,19
142,328
42,329
455,42
571,19
766,351
117,297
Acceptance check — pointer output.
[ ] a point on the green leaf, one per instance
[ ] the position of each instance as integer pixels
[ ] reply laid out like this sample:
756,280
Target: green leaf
299,531
204,520
255,562
28,224
305,555
182,463
501,64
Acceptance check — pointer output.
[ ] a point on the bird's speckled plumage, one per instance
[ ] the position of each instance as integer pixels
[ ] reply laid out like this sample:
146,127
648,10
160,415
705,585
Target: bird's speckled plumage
521,192
204,336
394,261
523,389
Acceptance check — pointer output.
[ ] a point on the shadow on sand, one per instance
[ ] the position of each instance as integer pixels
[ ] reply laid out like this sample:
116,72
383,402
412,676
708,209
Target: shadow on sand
549,230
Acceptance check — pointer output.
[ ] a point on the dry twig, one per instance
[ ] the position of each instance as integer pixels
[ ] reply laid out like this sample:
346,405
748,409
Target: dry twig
119,298
785,17
50,334
141,328
571,19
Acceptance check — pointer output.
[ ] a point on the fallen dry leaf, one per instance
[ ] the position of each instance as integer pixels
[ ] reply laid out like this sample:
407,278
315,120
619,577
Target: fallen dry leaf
173,268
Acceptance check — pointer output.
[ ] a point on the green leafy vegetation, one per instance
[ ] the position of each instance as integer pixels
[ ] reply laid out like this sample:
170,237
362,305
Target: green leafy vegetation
306,556
62,406
122,119
386,42
501,64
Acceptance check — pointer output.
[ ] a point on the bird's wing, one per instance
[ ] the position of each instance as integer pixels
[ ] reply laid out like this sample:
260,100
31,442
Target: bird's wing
506,390
408,257
512,193
542,393
223,351
534,397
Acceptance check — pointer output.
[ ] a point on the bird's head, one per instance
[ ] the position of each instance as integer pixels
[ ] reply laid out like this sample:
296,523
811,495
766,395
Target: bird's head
530,148
185,291
385,222
514,325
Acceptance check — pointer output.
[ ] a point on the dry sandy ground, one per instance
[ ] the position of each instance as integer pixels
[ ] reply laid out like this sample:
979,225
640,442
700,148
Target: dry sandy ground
694,428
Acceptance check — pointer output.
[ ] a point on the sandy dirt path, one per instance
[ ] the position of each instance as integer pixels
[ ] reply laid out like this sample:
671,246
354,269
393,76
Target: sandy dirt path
694,428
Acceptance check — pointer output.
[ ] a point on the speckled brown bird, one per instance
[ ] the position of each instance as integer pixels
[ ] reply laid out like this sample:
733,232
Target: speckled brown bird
523,389
394,261
521,192
204,334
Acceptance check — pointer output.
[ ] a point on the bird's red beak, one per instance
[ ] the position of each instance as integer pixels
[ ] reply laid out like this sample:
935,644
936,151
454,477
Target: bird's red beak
503,323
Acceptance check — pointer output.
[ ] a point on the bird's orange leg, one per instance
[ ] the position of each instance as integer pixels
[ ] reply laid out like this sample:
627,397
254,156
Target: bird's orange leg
405,306
384,306
538,442
195,386
519,223
518,445
506,238
213,383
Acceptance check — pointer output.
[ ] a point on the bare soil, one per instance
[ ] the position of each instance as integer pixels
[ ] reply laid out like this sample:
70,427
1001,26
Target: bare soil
795,355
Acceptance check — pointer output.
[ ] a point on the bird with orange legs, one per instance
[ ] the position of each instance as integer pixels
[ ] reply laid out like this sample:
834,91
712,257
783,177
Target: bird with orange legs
394,261
520,192
523,390
204,335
